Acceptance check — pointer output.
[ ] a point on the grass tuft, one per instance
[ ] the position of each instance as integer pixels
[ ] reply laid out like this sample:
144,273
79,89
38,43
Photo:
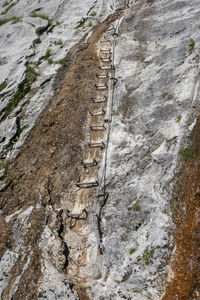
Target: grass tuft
132,251
147,256
178,118
187,153
93,14
23,88
57,43
42,16
5,166
12,19
31,74
3,85
191,45
81,23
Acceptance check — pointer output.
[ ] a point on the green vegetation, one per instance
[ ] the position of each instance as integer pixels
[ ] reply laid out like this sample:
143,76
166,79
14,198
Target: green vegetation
3,85
191,45
146,257
178,118
136,207
187,153
9,7
90,24
126,277
57,43
50,61
81,23
12,19
42,16
137,225
61,61
47,55
132,251
5,166
31,74
93,14
23,88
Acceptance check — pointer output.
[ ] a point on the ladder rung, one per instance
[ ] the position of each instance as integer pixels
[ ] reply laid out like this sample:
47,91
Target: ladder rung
105,41
105,59
99,100
108,67
111,28
101,86
98,112
97,145
77,216
102,75
89,164
97,127
89,184
106,51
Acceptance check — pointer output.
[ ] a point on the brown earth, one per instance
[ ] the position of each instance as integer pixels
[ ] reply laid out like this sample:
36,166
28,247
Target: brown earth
49,163
185,280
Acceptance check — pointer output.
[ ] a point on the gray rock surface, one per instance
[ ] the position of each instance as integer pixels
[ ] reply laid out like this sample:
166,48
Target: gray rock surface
21,44
156,101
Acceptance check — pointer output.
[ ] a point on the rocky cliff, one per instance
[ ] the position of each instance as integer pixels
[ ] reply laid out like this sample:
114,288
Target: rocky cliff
99,149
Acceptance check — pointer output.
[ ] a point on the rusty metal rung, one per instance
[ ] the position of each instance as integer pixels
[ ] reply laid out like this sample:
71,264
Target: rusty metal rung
105,41
100,145
106,51
102,75
107,67
97,127
89,184
98,112
105,59
101,86
89,164
79,216
99,100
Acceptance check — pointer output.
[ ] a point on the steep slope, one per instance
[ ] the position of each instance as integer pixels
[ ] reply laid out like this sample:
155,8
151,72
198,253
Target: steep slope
99,157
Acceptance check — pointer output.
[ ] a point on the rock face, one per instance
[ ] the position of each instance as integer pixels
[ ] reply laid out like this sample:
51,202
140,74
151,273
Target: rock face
113,241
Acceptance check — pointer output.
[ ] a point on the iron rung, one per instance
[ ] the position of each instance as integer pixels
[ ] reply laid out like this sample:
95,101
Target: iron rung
99,100
105,51
106,59
98,113
102,75
108,67
97,127
100,145
89,164
89,184
105,41
101,86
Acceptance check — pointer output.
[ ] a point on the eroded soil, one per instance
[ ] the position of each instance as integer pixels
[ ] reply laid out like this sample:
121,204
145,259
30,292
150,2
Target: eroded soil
184,279
48,164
